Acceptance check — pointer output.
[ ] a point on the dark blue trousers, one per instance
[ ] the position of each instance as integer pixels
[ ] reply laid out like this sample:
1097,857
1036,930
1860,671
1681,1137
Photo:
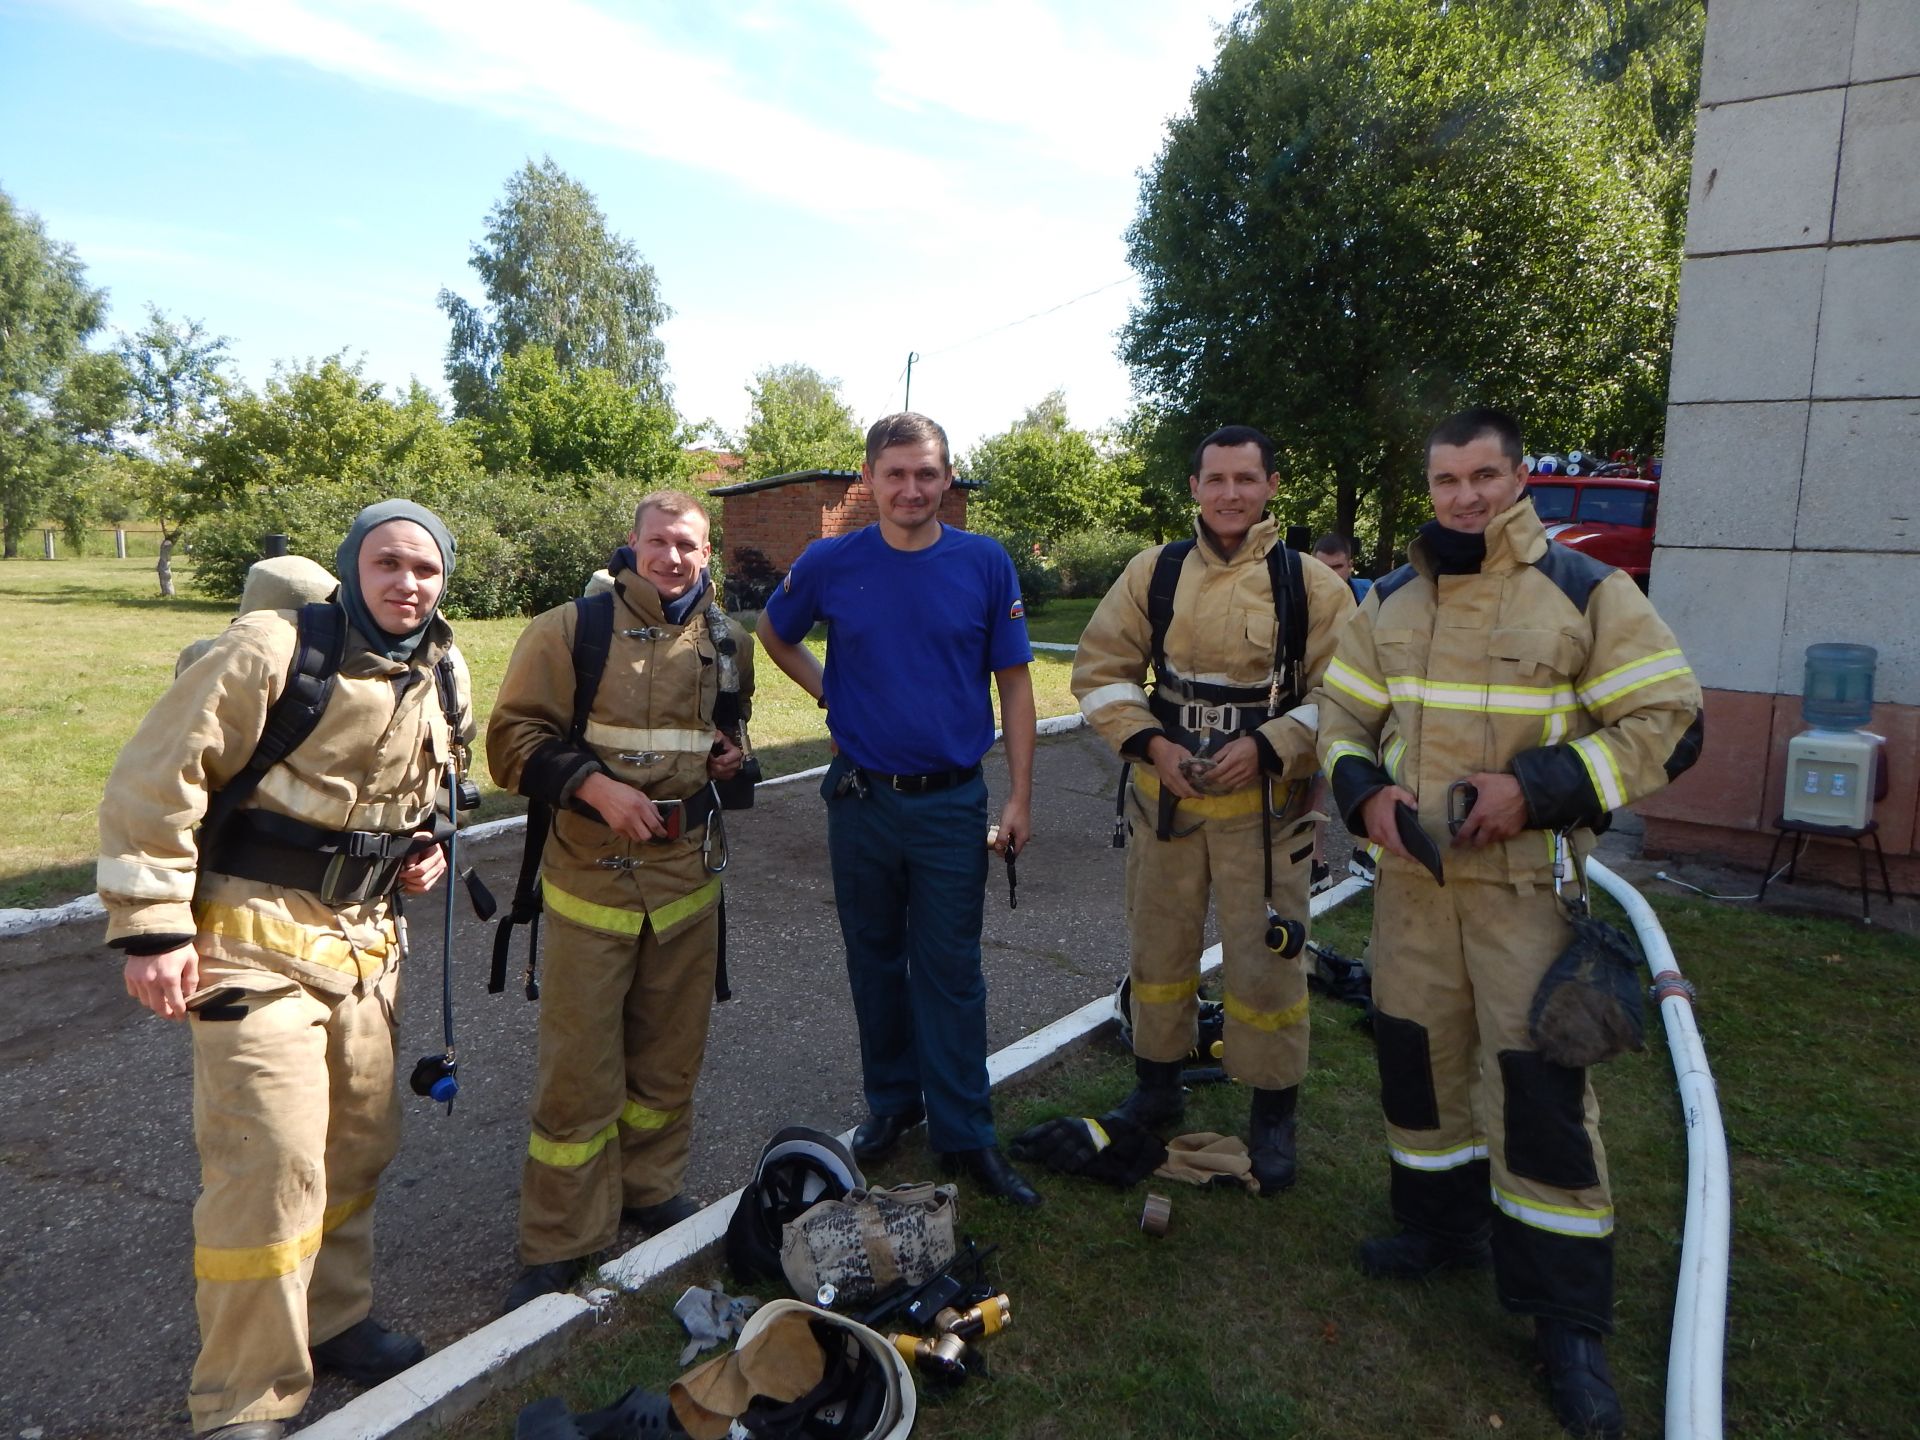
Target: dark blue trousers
909,881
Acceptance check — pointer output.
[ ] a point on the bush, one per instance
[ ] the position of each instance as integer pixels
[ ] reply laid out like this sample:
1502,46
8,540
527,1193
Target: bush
1089,561
525,545
1038,583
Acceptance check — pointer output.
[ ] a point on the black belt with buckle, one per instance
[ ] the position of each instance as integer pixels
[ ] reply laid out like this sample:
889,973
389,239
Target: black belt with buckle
922,784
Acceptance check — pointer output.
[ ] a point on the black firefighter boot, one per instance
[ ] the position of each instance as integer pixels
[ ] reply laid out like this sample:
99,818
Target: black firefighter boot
1584,1400
1157,1102
1270,1139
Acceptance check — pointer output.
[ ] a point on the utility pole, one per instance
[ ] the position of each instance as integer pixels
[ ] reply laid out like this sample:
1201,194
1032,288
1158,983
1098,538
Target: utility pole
907,403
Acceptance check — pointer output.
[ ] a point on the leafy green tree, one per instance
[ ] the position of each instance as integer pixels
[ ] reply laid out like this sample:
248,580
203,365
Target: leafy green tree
1377,211
325,424
555,275
50,390
1042,479
542,420
798,422
178,378
86,411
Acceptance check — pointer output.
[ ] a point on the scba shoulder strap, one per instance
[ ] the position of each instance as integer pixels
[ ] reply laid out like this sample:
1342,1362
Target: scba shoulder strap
1285,575
592,643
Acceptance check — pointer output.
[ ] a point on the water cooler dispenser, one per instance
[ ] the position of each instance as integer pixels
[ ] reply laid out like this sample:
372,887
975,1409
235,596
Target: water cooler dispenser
1832,767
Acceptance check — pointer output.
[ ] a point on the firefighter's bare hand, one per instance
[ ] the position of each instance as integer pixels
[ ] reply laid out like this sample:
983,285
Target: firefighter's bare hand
1500,812
1015,829
626,808
1166,757
1236,766
724,762
1376,813
423,871
162,982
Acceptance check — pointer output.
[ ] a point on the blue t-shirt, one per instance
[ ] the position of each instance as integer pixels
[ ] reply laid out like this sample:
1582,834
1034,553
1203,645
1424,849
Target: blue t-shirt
1360,585
912,639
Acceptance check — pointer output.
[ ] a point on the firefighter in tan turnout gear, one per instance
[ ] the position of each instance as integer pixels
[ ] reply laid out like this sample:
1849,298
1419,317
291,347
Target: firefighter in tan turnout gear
630,885
271,928
1544,681
1238,630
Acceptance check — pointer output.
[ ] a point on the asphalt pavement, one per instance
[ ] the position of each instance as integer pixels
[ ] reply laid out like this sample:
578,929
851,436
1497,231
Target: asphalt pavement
97,1167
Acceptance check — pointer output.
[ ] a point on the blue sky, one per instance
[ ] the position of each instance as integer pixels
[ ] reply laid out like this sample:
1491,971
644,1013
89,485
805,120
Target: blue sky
836,182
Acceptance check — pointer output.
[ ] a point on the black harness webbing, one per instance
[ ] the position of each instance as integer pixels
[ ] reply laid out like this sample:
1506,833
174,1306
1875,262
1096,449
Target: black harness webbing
1287,580
318,650
592,642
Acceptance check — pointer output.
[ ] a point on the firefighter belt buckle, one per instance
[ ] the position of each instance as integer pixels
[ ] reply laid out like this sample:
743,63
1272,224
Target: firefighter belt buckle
672,817
1215,717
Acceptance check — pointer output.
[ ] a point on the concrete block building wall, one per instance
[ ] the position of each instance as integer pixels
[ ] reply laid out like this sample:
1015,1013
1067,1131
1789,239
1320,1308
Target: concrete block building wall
1790,506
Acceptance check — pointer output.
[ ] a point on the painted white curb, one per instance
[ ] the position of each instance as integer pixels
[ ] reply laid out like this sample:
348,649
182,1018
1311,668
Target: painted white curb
26,922
452,1381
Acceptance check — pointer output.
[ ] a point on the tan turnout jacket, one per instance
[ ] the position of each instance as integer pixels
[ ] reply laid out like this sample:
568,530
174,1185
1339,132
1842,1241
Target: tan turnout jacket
1558,672
1223,632
650,726
373,762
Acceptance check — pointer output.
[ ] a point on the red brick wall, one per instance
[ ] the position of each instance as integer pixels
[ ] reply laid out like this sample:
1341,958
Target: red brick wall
1725,807
777,523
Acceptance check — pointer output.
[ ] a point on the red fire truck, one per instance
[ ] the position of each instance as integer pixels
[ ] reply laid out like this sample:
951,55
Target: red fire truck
1609,517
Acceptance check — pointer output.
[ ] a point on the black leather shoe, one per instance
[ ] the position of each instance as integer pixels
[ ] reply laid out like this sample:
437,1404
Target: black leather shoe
1158,1102
664,1216
1584,1400
1270,1145
880,1133
248,1430
1412,1255
552,1278
990,1171
368,1353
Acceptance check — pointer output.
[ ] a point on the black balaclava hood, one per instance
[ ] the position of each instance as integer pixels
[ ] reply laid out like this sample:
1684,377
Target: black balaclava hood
347,565
1454,552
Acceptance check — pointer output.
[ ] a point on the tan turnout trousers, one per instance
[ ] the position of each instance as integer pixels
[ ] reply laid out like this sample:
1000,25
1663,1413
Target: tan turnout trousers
295,1114
1468,1099
613,1103
1168,884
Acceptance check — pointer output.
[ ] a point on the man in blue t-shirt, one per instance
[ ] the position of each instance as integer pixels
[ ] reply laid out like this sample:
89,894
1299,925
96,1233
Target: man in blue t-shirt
918,617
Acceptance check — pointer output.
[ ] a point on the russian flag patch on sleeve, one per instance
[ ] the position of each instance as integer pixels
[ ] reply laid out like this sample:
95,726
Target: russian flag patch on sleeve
1018,611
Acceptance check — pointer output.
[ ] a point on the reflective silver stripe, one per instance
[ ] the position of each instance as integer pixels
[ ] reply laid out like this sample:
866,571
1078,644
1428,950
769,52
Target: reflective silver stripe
1343,676
140,881
1343,749
1559,1219
1625,679
1452,1158
1602,770
622,737
1097,700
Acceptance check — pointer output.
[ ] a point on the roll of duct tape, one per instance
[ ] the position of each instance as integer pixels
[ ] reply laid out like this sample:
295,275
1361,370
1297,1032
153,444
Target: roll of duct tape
1157,1215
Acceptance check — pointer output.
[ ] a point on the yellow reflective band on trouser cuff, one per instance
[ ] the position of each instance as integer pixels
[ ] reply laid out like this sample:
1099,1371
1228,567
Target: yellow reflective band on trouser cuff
282,1257
306,943
1451,1158
1171,992
1207,807
569,1155
636,1116
1559,1219
1268,1020
618,919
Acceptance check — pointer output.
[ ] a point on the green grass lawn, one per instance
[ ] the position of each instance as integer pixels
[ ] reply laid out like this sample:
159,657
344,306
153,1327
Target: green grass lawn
1250,1320
87,645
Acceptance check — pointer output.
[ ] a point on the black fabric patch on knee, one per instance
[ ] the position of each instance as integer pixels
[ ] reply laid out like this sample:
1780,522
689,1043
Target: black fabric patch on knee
1563,1277
1406,1073
1547,1136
